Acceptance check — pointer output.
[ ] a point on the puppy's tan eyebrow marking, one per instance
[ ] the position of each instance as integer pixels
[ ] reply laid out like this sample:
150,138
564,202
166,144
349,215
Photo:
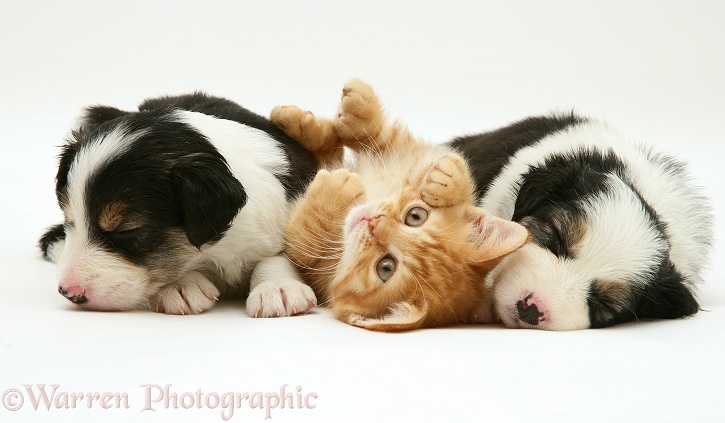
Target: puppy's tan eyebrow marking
112,216
615,292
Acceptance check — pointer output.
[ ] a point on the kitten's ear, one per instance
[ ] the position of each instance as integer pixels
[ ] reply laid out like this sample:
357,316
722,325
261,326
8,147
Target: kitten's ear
402,316
493,237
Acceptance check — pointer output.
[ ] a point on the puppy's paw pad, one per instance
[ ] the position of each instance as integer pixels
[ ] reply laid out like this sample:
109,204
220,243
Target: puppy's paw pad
193,297
280,299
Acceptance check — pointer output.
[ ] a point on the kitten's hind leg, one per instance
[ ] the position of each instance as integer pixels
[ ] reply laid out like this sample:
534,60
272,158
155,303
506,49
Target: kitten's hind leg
361,123
315,134
448,183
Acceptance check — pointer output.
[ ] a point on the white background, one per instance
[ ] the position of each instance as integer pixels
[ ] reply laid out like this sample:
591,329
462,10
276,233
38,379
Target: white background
653,69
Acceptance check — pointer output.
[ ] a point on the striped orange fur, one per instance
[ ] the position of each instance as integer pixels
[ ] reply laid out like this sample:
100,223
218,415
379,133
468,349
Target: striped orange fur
391,241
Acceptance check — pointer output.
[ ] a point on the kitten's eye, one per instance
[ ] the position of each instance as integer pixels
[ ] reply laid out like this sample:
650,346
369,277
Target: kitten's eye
386,267
416,216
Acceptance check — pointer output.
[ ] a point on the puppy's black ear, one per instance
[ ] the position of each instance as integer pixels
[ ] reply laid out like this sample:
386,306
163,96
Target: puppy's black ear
51,242
96,115
208,195
668,297
65,159
556,183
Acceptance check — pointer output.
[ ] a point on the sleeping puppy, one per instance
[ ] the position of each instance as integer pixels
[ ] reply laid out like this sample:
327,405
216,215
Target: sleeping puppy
619,232
175,205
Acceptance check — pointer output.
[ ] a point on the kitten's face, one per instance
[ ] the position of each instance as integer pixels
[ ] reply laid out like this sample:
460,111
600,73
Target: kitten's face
400,252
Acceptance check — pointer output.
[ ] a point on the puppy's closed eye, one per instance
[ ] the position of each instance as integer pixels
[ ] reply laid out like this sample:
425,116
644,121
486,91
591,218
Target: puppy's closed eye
125,231
133,239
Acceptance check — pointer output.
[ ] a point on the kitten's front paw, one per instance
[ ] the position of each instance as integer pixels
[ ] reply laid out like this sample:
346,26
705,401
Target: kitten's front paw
448,183
340,187
280,298
196,295
291,119
314,134
360,115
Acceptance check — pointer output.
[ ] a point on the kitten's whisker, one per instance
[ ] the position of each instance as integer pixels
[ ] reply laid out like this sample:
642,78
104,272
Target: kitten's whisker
317,242
439,295
333,236
313,247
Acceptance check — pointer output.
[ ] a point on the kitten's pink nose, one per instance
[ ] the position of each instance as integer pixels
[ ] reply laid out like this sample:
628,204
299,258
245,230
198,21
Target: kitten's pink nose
373,222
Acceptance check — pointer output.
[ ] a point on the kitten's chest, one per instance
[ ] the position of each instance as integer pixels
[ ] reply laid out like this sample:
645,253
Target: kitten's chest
383,178
387,175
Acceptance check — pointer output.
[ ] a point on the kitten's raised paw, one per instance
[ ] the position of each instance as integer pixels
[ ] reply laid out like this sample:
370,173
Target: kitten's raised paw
193,297
359,118
313,133
447,183
280,298
291,119
340,187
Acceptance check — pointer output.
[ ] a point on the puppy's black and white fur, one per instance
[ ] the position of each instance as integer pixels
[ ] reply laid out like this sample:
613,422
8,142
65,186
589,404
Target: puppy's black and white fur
619,232
170,207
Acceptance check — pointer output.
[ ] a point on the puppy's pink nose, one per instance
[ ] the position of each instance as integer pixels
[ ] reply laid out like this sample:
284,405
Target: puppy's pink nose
74,293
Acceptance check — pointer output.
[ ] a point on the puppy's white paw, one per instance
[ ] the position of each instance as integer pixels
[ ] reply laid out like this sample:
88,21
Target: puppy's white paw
52,253
280,298
194,296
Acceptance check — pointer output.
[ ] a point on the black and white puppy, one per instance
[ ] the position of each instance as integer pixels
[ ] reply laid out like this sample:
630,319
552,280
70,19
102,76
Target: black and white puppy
619,232
170,207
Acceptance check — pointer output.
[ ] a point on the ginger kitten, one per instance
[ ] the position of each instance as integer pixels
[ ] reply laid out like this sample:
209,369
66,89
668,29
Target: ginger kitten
392,241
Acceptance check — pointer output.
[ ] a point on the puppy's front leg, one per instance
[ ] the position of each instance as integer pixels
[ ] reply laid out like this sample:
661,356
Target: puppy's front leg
52,242
276,290
194,295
